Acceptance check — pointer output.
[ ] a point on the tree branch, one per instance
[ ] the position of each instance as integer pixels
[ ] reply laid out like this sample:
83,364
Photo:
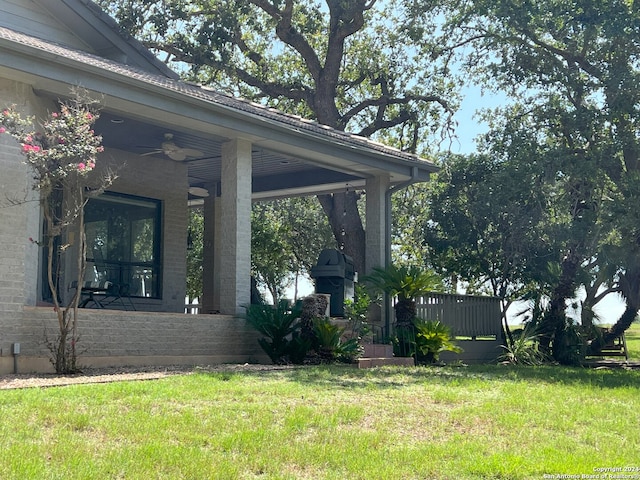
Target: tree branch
290,36
386,101
270,88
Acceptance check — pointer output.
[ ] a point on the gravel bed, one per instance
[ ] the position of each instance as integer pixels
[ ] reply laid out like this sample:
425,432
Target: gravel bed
119,374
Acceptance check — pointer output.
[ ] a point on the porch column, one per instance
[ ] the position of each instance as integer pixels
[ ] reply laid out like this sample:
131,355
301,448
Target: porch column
235,235
376,217
211,253
376,235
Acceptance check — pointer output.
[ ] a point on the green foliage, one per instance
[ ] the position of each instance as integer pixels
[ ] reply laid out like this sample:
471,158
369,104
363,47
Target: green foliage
194,253
284,344
286,237
523,349
572,69
485,223
280,326
570,345
356,312
432,338
404,282
329,343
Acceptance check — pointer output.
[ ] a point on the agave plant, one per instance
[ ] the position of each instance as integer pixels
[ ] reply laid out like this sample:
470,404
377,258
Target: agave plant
432,338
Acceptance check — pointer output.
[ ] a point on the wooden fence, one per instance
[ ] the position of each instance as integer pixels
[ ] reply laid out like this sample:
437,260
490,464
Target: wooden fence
467,315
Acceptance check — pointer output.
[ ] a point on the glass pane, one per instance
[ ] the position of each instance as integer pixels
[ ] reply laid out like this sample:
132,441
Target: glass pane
123,242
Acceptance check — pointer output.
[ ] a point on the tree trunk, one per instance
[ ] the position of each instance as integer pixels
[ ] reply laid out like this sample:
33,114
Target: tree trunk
346,225
405,313
554,320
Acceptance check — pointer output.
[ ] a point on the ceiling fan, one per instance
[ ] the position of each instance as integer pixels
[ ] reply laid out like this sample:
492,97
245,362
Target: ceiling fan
173,151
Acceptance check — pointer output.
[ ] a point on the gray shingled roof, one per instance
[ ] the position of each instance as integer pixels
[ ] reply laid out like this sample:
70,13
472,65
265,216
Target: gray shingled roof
206,95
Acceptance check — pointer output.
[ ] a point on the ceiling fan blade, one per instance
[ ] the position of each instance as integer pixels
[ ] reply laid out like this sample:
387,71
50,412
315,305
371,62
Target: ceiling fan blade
152,152
176,155
199,192
179,154
192,152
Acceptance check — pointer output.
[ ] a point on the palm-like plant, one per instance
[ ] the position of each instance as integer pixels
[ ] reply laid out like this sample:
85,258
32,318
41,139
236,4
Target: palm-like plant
405,284
279,325
433,337
329,344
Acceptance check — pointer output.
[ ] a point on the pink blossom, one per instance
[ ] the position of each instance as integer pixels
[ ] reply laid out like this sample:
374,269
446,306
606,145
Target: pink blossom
2,129
89,116
100,149
28,139
54,115
35,148
81,167
91,165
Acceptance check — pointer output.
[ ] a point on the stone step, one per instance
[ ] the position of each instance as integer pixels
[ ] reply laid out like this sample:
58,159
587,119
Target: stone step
384,361
377,350
379,355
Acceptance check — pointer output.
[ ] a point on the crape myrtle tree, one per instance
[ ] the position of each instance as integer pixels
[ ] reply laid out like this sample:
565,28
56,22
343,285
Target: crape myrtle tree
345,63
61,153
575,66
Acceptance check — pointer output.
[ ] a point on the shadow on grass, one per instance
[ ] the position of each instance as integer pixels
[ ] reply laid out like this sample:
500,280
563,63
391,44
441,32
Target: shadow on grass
340,377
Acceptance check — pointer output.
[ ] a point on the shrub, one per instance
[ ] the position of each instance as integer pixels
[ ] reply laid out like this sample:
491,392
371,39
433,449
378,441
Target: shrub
523,349
356,312
280,327
433,337
329,344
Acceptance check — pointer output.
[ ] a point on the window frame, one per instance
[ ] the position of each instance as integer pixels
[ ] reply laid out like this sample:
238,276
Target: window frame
122,266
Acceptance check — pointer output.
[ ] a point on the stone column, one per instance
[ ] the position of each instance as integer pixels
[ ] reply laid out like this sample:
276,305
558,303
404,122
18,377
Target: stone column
376,222
235,235
211,253
376,235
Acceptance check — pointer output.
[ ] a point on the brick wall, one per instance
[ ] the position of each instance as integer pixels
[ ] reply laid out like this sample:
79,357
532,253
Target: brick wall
19,210
115,338
165,180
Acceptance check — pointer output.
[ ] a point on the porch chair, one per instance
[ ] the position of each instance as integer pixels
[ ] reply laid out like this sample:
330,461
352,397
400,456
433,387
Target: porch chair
101,292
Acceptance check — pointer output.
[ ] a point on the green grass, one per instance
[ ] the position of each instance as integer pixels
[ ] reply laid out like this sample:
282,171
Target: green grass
633,342
328,423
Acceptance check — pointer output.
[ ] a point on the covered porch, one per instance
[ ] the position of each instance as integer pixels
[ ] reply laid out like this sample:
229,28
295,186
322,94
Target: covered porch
175,142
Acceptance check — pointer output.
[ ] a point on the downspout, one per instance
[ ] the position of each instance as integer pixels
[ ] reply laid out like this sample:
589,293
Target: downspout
388,314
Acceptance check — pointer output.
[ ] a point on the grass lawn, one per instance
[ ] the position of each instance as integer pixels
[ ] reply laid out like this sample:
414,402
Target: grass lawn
633,342
328,423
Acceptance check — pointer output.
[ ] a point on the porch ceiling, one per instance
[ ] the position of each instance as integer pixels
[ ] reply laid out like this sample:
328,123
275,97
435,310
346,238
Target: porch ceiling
273,175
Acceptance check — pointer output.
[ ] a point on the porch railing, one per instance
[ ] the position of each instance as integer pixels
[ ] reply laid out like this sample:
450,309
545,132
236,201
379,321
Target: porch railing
467,315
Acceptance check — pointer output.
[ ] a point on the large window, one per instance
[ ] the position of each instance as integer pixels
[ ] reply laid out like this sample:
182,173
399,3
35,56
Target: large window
123,243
